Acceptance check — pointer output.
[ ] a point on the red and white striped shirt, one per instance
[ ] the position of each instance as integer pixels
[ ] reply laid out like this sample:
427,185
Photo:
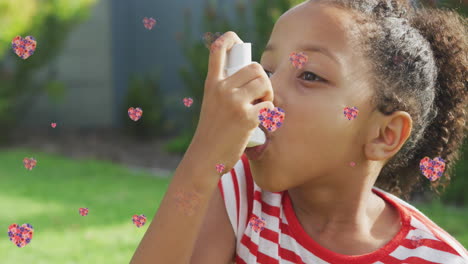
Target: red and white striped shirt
283,240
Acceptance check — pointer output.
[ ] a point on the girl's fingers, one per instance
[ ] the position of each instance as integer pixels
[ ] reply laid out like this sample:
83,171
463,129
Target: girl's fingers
253,81
218,49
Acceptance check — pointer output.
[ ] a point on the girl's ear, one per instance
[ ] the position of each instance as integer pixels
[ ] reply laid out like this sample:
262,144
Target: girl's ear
392,134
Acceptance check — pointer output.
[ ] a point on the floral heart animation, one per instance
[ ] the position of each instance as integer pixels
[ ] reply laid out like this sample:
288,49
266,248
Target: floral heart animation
24,47
135,113
271,119
139,220
432,169
20,235
350,113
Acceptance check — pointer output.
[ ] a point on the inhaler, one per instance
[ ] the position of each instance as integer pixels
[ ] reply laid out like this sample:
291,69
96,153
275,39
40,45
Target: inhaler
238,57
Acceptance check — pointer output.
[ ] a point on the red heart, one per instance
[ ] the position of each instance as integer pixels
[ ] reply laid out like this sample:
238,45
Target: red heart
188,101
416,241
351,113
432,169
271,119
139,220
83,211
29,163
220,167
135,113
209,38
149,22
257,224
53,125
24,48
298,59
20,235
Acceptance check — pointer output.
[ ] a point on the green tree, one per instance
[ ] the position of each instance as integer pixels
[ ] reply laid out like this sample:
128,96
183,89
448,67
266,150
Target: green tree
49,22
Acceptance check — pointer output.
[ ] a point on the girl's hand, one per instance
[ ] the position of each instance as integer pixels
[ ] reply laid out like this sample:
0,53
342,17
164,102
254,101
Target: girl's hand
228,116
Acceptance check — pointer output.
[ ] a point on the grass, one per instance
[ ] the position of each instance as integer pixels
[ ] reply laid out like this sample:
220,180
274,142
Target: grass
450,218
49,196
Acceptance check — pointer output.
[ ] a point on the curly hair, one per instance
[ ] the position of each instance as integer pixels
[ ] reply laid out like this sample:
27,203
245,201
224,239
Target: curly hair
418,64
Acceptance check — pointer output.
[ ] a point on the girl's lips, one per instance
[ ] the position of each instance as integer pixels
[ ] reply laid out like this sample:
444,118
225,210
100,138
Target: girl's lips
255,153
267,133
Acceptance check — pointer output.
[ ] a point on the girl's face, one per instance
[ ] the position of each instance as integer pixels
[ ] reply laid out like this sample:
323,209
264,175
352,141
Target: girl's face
316,142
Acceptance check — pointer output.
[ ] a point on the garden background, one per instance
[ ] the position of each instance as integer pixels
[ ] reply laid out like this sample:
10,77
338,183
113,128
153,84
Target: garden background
95,59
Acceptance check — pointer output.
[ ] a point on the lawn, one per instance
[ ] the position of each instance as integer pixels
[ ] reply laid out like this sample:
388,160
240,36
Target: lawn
49,196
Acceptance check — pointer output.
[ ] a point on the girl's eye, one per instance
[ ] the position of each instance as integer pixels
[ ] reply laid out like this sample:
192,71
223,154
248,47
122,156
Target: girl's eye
312,76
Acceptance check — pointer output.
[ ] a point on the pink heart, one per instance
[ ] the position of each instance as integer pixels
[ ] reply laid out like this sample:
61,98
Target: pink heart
188,101
351,113
298,59
257,224
352,164
139,220
271,119
432,169
220,167
24,48
29,163
416,241
209,38
53,125
135,113
20,235
83,211
149,22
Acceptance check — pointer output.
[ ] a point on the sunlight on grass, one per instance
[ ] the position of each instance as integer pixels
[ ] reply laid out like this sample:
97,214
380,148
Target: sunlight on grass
49,197
110,244
23,207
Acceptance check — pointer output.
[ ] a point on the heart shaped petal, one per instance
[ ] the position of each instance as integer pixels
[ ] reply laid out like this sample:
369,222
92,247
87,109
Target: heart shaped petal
149,22
83,211
432,169
209,38
220,167
188,101
298,60
271,119
24,48
139,220
135,113
257,224
20,235
29,163
351,113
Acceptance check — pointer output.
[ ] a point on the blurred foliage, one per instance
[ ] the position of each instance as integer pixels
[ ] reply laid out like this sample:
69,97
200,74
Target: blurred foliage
55,90
265,15
456,192
459,6
49,22
145,92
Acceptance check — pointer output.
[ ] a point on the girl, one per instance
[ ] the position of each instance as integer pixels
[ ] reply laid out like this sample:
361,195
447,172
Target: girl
325,188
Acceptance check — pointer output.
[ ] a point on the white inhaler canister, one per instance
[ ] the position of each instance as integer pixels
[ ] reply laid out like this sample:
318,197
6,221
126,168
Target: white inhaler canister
238,57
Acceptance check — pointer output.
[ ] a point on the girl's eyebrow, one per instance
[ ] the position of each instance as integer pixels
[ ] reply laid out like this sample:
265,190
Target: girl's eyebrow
308,47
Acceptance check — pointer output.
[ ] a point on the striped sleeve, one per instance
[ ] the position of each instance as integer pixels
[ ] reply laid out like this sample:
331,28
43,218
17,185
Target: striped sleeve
236,188
444,247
